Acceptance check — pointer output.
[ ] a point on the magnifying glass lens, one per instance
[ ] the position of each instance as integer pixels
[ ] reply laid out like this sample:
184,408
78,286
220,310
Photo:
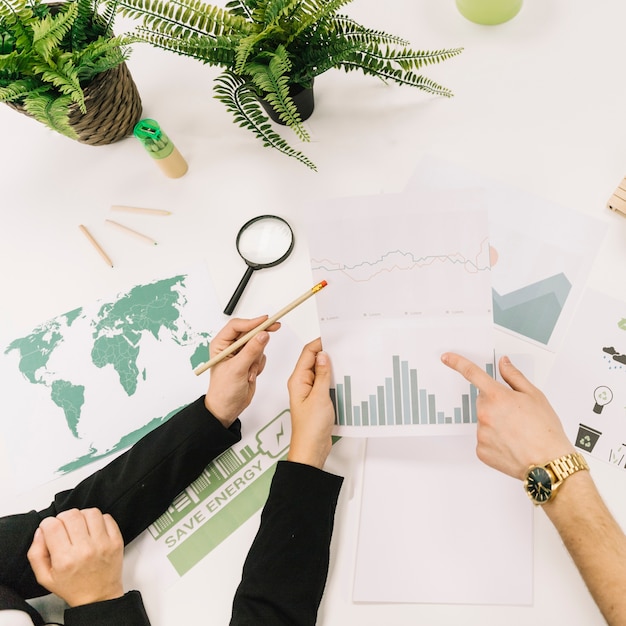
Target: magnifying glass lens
265,241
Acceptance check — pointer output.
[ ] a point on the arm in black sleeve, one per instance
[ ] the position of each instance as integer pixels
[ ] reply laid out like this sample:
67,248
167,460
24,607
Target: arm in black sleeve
135,488
286,568
125,611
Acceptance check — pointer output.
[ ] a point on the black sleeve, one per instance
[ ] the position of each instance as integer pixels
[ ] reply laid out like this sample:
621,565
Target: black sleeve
125,611
135,488
286,568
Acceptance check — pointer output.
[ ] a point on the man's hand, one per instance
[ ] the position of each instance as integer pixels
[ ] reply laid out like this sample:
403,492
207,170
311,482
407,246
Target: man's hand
233,380
312,412
517,426
78,556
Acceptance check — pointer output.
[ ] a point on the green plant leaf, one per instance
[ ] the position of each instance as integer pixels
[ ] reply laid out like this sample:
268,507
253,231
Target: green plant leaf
241,101
268,46
64,78
272,80
15,90
50,31
51,111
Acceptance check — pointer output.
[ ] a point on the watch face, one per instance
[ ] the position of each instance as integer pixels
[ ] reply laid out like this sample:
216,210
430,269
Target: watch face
538,484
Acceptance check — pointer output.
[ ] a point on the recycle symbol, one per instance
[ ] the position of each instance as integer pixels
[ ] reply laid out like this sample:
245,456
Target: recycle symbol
585,442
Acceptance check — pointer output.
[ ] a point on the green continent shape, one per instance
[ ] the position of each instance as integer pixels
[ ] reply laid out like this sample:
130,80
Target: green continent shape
125,442
119,326
35,349
622,323
144,308
122,355
70,398
200,355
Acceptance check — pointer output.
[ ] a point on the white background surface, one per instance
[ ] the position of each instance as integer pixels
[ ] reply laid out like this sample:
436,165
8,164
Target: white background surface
539,105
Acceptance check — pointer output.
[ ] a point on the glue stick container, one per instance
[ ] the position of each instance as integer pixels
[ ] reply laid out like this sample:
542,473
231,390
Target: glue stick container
161,148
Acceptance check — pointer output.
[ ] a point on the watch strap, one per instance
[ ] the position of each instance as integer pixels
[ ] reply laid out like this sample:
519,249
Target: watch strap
567,465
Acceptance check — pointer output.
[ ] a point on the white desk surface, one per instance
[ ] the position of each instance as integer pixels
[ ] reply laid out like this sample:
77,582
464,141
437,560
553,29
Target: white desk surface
539,105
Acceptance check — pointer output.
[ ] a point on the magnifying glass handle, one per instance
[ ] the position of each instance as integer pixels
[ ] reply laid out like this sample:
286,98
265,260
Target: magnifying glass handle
232,303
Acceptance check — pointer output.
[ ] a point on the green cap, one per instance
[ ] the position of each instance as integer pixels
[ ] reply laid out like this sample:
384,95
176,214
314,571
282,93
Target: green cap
154,140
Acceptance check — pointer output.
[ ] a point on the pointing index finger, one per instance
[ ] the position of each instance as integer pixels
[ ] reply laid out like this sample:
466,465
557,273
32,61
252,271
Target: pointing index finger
469,370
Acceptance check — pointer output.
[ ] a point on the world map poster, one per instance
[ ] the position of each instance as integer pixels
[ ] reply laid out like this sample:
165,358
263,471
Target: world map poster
89,383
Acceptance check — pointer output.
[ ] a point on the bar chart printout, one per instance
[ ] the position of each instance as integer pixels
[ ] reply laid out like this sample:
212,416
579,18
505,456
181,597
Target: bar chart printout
409,278
400,401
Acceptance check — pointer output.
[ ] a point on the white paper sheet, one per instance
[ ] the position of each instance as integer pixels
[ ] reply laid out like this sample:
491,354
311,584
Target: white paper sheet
87,384
587,384
438,526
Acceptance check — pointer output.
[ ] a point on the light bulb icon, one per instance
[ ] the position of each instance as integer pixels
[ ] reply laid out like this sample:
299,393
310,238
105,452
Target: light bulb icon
602,395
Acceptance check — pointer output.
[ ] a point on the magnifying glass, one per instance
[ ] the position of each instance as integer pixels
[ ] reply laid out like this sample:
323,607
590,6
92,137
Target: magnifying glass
264,241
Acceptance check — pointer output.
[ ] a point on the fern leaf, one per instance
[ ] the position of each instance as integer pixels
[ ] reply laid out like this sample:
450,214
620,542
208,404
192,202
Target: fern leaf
313,12
108,16
102,55
216,51
315,60
79,30
409,59
51,111
242,103
273,10
240,7
15,12
186,18
64,79
353,31
272,80
50,31
15,90
375,67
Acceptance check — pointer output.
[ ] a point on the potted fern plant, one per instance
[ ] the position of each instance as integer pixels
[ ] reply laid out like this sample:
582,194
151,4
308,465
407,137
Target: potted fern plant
272,50
61,64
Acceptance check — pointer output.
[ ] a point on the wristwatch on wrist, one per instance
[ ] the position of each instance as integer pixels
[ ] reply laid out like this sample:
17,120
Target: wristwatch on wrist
542,481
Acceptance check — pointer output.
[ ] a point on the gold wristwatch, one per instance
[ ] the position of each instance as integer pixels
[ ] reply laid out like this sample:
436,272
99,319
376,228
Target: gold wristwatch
542,481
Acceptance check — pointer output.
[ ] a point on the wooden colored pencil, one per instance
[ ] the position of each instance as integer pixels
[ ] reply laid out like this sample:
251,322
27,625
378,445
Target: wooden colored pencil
96,245
139,209
255,331
130,231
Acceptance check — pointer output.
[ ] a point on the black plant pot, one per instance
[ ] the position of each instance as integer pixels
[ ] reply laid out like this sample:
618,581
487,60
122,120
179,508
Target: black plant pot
303,99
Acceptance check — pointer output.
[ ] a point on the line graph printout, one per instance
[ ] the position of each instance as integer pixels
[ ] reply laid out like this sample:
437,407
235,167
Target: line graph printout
541,253
409,278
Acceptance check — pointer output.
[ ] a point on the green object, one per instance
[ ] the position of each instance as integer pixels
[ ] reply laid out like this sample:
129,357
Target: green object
533,310
48,52
489,11
154,140
64,356
265,47
222,524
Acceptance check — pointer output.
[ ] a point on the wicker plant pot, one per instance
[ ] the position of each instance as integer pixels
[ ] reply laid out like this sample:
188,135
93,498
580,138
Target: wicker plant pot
113,108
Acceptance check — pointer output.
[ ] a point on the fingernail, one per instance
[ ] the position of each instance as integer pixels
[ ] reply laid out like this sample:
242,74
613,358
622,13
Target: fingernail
252,374
506,360
444,357
263,337
321,358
